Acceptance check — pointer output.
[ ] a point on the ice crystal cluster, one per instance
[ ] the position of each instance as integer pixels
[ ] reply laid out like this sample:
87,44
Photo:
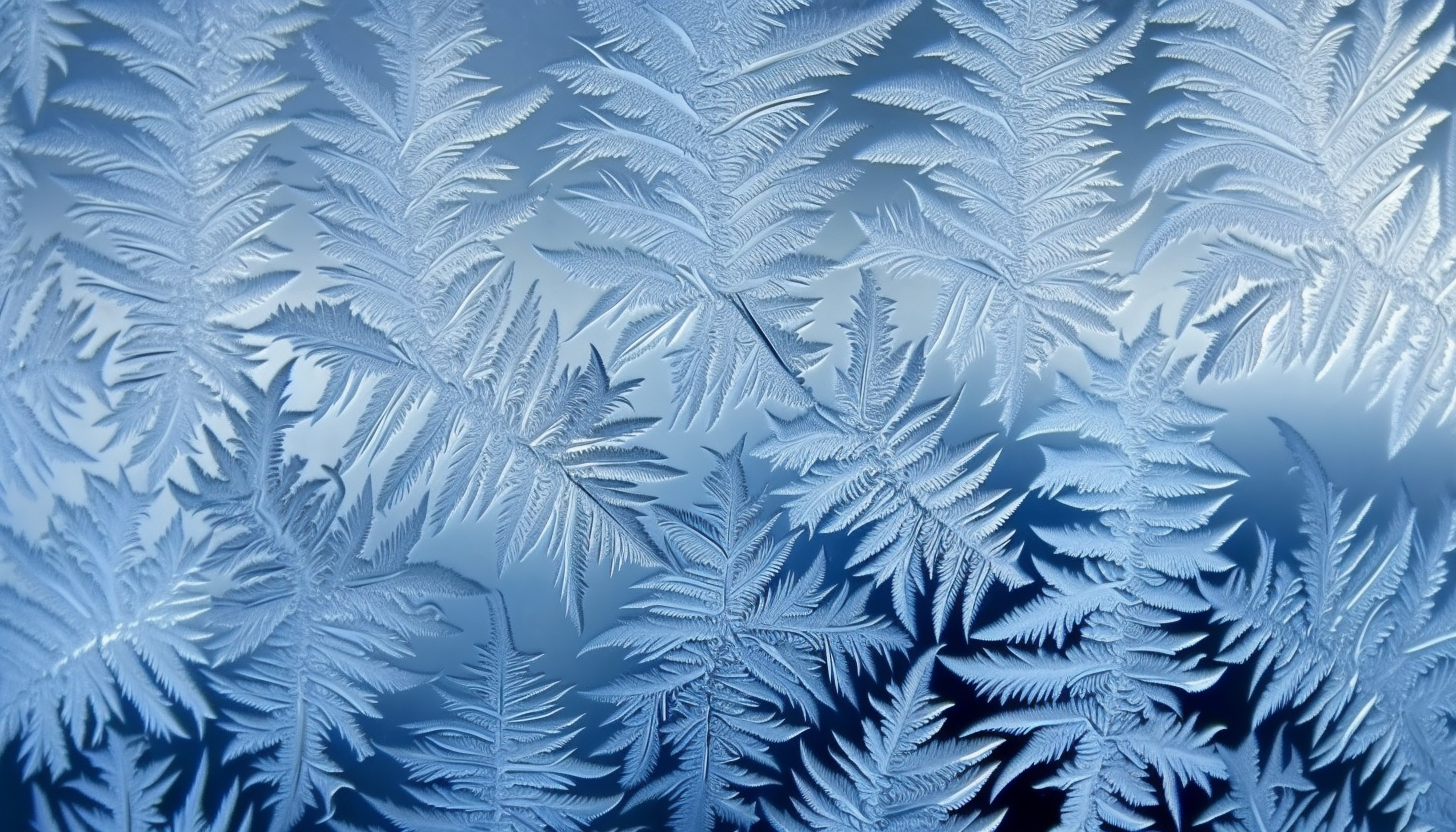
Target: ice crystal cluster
727,415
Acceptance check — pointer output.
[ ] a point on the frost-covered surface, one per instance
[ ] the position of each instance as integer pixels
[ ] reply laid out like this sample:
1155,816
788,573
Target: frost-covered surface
715,415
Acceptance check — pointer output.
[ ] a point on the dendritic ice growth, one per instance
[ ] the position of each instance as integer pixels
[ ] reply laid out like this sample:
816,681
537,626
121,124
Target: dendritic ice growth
727,415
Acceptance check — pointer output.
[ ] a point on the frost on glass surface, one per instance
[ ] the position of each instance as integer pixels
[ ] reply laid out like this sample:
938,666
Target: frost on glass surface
727,415
1308,114
724,145
1016,223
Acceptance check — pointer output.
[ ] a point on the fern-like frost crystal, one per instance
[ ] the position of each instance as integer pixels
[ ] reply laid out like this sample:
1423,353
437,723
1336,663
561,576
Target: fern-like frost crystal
35,35
1110,692
1015,225
898,776
431,326
1358,641
880,460
503,758
98,623
321,603
739,651
1331,243
720,175
182,201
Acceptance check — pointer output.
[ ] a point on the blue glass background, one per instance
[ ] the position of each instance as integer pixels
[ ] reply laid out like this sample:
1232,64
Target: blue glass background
1344,426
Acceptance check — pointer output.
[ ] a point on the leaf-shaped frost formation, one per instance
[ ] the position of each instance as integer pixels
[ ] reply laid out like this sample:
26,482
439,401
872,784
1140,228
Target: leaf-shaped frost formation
1332,244
503,759
430,324
1015,225
1262,797
320,602
35,35
128,792
898,777
879,459
1358,641
125,795
228,814
713,148
45,380
95,620
182,199
737,649
1111,697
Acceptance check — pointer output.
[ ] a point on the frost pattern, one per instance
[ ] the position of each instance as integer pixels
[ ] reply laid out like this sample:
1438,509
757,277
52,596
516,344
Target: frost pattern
319,605
1016,225
182,197
430,326
1107,692
724,150
1341,240
1358,641
96,616
36,34
897,776
879,459
503,758
47,376
127,794
312,356
739,654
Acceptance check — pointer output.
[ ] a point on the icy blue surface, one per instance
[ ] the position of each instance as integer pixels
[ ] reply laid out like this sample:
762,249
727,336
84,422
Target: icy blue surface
713,415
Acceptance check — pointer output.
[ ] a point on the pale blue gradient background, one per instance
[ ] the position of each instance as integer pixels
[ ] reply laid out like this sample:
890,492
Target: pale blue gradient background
1348,434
